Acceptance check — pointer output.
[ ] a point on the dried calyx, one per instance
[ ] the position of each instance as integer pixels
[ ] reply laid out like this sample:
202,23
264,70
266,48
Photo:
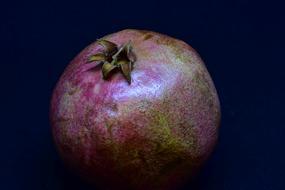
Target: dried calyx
114,57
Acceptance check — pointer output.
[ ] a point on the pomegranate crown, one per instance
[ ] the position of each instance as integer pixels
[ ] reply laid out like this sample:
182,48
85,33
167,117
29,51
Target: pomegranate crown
114,58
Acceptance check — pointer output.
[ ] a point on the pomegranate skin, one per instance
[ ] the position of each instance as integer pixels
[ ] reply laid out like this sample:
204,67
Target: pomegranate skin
154,133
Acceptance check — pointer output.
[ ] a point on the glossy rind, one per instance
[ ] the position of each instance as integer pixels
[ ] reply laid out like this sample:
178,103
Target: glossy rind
150,134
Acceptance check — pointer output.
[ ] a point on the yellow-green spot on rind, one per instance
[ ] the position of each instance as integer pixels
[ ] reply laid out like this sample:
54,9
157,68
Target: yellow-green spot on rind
109,129
168,145
203,87
182,58
176,49
161,119
158,152
147,36
113,146
179,54
63,125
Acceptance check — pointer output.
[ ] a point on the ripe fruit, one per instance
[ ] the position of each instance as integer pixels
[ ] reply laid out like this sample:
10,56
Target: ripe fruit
135,110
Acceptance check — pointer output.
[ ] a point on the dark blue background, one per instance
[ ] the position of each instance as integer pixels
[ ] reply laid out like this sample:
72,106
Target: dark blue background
241,41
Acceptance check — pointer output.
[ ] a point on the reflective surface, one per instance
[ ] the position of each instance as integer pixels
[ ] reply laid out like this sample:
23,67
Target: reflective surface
163,125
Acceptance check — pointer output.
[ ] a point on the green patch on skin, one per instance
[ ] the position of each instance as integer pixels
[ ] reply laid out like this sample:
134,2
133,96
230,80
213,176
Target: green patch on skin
68,99
168,145
152,156
161,119
110,140
147,36
165,41
63,134
179,53
205,98
109,129
170,153
73,90
143,32
180,56
175,48
70,89
88,111
204,88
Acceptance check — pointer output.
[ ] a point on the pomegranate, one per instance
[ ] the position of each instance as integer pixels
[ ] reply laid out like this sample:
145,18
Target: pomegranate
135,110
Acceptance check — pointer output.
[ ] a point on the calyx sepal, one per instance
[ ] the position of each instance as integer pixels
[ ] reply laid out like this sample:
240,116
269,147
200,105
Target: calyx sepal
114,58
